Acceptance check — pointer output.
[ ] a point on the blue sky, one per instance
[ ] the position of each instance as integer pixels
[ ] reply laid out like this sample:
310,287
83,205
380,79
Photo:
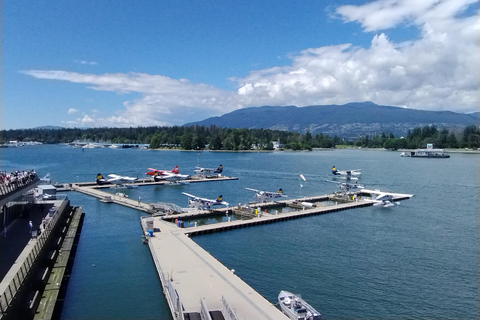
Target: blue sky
140,63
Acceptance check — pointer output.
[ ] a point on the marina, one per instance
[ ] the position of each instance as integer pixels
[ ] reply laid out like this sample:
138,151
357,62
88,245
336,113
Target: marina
361,237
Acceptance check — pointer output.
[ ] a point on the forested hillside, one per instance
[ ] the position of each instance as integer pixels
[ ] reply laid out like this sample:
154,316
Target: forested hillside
214,138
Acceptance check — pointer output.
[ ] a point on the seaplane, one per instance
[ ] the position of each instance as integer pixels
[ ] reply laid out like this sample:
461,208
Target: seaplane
208,171
115,179
265,196
347,174
203,203
172,175
345,187
46,179
381,198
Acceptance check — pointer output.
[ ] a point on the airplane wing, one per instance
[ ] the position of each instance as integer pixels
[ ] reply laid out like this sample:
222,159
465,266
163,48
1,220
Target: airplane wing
252,189
114,176
155,170
190,195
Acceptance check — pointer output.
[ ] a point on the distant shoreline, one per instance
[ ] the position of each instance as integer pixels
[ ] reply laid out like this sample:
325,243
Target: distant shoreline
320,149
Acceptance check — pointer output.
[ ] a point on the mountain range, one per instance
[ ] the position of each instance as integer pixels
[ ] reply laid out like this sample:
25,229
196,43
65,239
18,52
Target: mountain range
350,120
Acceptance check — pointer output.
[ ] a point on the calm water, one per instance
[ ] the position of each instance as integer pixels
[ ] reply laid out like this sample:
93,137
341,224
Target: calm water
415,261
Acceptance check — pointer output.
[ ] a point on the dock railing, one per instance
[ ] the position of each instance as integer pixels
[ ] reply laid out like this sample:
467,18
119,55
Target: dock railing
227,311
171,294
204,313
11,290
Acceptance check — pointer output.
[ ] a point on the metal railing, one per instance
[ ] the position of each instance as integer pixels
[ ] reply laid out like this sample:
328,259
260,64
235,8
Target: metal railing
227,311
204,313
171,294
15,284
17,184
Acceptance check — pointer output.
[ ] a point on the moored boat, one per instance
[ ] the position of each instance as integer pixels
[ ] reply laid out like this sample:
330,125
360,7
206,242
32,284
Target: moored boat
296,308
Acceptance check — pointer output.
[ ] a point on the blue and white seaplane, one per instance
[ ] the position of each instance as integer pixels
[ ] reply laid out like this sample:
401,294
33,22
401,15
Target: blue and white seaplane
208,171
265,196
347,174
199,203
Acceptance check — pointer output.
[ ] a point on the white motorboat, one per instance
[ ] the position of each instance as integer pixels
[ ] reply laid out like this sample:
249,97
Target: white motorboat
296,308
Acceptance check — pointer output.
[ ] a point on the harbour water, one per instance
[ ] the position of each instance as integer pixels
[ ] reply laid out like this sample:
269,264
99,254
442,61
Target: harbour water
417,260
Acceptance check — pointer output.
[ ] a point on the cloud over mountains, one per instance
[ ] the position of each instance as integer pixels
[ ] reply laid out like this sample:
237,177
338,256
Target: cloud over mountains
436,71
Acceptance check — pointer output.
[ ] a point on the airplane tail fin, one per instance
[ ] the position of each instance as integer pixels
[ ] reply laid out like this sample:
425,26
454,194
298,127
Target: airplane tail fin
175,170
280,191
46,179
100,179
334,170
220,198
219,169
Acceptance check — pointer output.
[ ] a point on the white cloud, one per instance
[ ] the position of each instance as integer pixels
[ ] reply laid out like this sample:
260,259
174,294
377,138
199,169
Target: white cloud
437,71
85,62
72,111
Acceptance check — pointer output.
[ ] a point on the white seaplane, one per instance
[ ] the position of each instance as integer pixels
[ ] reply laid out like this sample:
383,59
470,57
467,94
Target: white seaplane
345,186
203,203
347,174
115,179
385,199
208,171
264,196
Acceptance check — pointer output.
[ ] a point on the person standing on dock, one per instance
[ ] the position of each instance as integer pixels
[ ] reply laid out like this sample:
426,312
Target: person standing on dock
30,225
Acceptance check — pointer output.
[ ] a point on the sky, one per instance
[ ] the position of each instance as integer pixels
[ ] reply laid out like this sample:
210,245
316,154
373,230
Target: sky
115,63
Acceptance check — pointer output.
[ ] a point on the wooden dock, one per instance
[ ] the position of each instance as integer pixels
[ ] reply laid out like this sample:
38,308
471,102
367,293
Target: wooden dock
145,182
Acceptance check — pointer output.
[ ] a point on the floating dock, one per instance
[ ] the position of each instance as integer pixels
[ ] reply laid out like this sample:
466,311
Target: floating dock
195,284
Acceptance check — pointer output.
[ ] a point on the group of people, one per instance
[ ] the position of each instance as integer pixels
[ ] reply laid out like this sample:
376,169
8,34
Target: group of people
15,179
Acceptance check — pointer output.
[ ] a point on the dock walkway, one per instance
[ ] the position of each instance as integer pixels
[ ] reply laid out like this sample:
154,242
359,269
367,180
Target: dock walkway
195,277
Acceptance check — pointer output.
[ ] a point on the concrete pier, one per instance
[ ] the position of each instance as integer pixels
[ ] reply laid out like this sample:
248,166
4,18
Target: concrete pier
196,283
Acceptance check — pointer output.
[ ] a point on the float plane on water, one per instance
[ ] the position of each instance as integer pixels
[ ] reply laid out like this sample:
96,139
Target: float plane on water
46,179
347,174
345,186
208,171
172,175
385,199
203,203
115,179
264,196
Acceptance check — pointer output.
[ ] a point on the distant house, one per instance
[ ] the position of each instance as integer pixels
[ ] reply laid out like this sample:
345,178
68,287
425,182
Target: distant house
277,145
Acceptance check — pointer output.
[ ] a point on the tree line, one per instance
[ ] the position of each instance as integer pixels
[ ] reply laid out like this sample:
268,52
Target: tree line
215,138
